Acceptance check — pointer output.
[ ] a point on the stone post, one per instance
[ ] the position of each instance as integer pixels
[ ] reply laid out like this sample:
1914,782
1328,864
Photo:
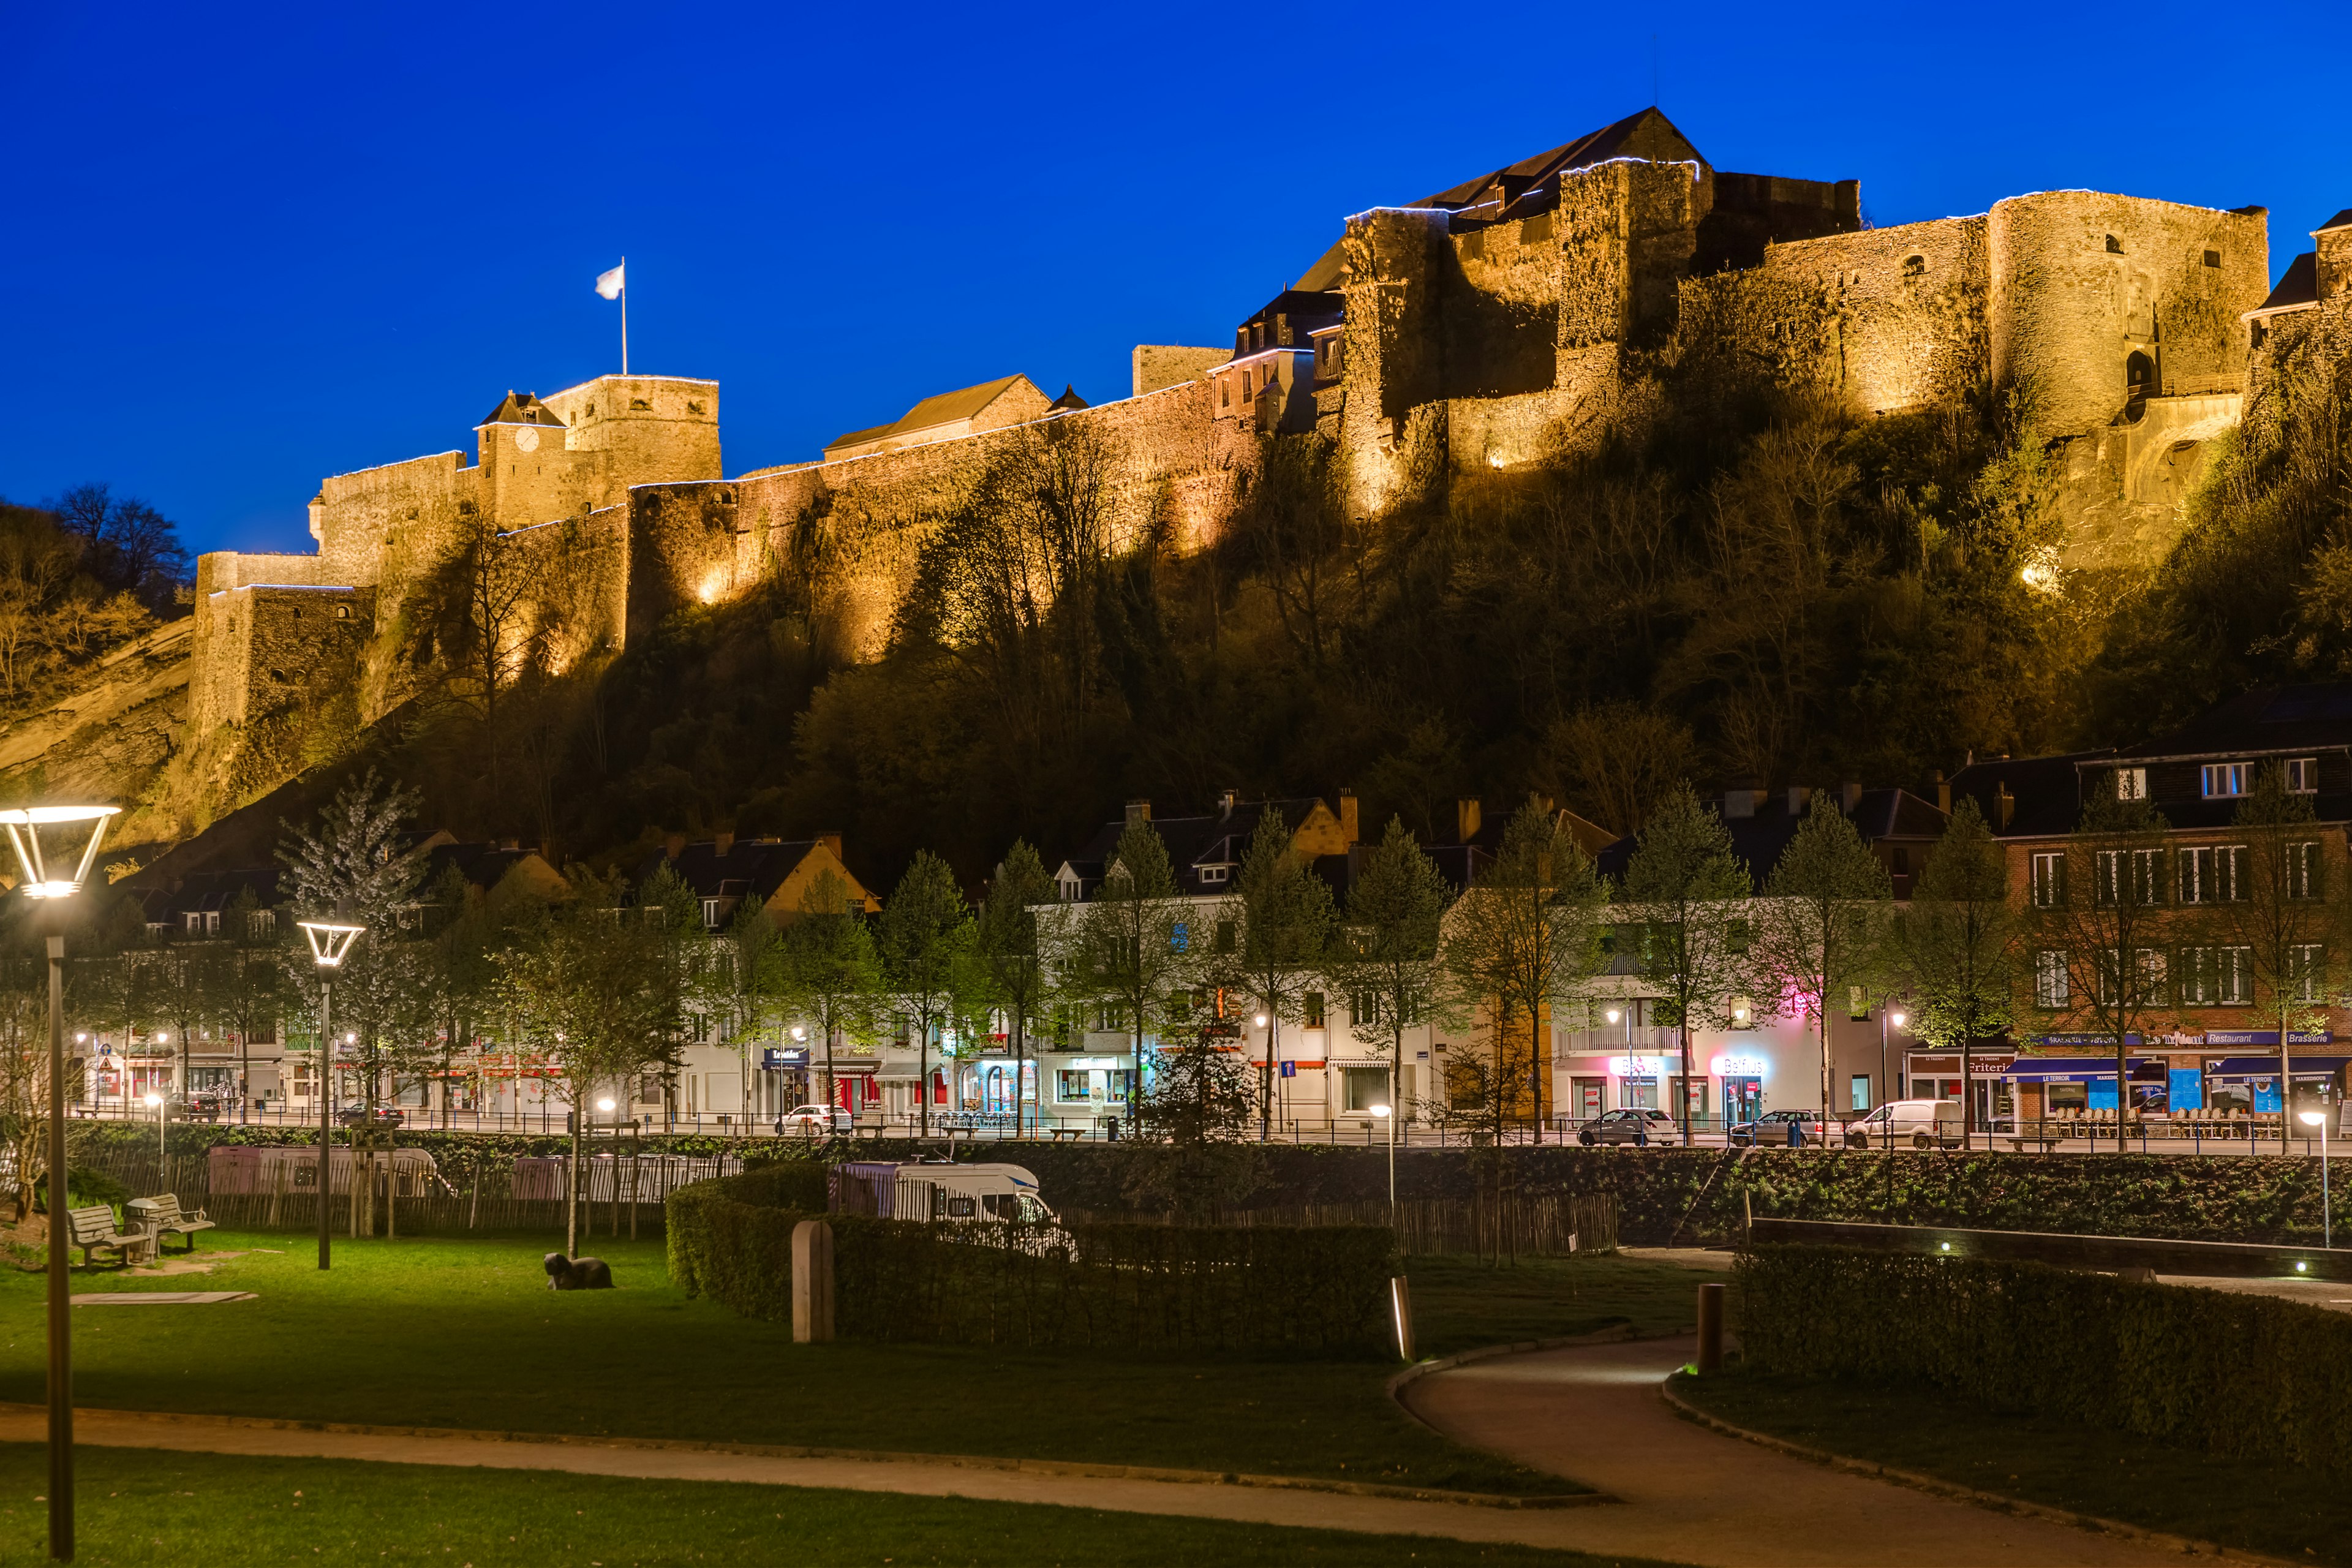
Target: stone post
811,1283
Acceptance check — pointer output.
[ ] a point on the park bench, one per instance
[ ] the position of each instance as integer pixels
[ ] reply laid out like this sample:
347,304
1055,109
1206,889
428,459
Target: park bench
92,1230
1066,1134
966,1133
160,1216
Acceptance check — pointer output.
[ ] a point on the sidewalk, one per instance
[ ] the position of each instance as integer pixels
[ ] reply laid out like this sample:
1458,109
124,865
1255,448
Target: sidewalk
1595,1412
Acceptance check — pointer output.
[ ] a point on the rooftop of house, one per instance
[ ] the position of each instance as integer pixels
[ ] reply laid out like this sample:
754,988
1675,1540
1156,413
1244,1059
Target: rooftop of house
938,409
2298,286
521,408
1761,824
484,865
209,892
1203,851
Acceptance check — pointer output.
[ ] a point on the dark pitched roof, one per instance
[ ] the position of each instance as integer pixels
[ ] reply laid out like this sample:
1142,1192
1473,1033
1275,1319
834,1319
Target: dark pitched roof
2297,286
2341,220
1196,844
1759,840
1069,398
2266,720
753,868
521,408
1531,184
2045,793
483,865
201,892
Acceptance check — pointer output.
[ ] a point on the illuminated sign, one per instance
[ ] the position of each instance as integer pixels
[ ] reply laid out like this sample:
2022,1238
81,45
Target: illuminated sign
1729,1065
1639,1066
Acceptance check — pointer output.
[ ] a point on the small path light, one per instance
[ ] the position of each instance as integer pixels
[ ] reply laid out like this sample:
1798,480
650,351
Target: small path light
2327,1216
64,826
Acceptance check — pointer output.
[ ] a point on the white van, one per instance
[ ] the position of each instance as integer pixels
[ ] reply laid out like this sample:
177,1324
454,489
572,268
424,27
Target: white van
1921,1123
927,1190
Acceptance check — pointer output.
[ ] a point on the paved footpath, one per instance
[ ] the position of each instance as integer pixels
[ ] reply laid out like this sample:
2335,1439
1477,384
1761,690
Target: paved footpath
1695,1495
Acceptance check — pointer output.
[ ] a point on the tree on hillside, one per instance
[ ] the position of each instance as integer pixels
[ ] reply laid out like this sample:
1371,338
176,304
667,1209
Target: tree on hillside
831,973
1293,524
1614,758
1284,917
127,547
1956,946
1690,895
2277,909
1011,957
2095,918
925,938
1386,961
1131,945
1822,926
1525,934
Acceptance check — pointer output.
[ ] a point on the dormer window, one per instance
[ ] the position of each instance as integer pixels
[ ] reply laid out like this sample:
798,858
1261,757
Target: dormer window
2302,775
2225,780
2131,784
1215,873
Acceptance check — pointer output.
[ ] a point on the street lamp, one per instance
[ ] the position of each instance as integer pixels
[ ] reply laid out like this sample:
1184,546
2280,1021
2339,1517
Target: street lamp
1266,1101
155,1104
1382,1112
330,943
66,824
2326,1217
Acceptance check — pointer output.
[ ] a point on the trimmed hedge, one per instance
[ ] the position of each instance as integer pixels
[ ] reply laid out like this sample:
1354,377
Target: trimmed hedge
1322,1289
2255,1377
1662,1194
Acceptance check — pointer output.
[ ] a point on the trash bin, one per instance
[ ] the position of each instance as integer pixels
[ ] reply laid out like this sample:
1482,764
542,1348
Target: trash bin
1110,1125
1796,1134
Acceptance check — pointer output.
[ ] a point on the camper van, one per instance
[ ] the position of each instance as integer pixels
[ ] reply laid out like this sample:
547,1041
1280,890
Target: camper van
929,1190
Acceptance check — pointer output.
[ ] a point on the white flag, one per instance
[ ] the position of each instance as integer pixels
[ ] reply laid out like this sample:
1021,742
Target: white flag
610,284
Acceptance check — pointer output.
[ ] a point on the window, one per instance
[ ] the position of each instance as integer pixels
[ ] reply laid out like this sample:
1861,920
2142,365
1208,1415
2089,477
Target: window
711,914
2115,245
2224,780
961,1207
1858,1094
2307,972
2131,784
1913,265
649,1089
2214,874
1314,1009
2049,880
2302,775
1224,392
1073,1085
2151,968
2050,987
2213,258
2303,871
1215,873
1364,1088
2145,869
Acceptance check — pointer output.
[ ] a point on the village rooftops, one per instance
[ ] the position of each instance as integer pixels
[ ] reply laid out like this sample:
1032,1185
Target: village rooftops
1899,827
725,870
1205,852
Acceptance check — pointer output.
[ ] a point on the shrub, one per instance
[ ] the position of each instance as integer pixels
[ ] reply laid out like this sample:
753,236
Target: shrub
2251,1376
731,1249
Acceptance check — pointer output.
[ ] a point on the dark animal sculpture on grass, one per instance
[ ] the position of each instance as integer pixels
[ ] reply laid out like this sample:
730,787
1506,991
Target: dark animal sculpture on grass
577,1273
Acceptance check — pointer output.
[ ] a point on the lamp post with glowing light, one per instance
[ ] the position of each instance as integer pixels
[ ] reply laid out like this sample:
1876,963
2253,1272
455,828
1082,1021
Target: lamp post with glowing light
65,824
155,1104
330,943
2326,1210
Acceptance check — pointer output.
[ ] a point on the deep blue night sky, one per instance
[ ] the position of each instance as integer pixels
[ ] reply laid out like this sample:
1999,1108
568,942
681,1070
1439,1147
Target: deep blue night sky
244,251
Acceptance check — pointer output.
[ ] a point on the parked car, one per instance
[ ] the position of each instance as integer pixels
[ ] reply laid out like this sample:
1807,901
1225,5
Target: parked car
814,1122
1625,1126
369,1116
1922,1123
1771,1130
204,1105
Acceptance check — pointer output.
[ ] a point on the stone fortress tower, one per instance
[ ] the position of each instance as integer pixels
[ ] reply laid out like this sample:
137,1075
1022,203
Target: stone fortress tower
1494,324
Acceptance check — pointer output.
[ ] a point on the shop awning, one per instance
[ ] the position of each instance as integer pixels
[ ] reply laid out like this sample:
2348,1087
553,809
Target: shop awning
2267,1067
2059,1070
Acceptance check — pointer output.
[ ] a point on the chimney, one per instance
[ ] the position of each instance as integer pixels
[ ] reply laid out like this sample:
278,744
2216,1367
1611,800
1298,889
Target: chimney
1224,802
1850,796
1742,797
673,845
2004,807
832,842
1348,822
1465,818
1943,793
1137,811
1799,797
720,843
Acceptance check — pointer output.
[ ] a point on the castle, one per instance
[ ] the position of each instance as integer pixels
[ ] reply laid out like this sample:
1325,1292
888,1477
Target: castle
1490,325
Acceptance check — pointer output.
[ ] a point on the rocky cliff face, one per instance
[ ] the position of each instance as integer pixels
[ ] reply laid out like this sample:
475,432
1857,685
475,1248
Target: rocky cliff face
110,739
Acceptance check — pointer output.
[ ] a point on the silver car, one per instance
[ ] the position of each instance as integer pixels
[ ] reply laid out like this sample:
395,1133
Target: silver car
1627,1127
814,1122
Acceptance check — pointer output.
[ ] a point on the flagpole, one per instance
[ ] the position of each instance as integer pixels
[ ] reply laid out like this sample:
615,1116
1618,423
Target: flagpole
624,315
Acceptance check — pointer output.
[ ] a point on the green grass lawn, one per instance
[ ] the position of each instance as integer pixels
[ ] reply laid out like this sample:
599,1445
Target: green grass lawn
1460,1302
2271,1508
463,1332
138,1505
